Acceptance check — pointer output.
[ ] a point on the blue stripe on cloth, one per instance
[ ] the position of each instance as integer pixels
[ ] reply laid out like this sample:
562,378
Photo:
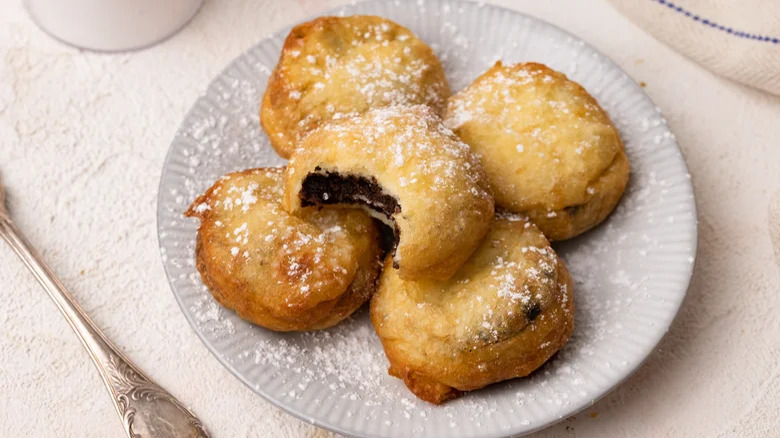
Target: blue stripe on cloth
715,25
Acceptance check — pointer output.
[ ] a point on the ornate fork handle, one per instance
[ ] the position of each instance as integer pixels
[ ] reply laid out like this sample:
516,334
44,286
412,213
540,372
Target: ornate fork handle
147,410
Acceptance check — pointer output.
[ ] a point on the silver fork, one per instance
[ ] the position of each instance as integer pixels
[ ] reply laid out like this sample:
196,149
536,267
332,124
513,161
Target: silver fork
146,409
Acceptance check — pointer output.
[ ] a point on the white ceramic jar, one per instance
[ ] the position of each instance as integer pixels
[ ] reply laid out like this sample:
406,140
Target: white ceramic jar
112,25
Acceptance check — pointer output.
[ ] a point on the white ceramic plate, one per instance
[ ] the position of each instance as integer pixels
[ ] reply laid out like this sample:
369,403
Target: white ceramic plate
630,274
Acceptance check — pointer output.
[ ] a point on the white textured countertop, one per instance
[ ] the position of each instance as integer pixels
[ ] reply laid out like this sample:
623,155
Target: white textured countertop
82,141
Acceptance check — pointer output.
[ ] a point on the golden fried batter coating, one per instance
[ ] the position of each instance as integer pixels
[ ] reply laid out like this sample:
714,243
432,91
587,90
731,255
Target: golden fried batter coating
335,66
280,271
548,148
504,313
404,167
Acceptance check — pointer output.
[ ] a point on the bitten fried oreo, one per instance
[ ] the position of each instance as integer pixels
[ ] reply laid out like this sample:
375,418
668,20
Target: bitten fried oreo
280,271
405,168
549,150
332,67
503,314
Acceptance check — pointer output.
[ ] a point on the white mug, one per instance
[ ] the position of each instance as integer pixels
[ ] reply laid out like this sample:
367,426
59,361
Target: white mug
112,25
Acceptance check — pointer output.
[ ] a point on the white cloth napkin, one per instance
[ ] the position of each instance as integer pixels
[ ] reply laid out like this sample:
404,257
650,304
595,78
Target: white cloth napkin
737,39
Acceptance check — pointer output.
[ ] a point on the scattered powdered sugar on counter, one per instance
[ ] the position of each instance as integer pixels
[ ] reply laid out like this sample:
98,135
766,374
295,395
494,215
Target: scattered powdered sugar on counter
620,270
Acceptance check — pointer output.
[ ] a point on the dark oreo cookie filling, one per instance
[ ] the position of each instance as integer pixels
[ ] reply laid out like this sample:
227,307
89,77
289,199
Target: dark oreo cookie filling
328,188
532,311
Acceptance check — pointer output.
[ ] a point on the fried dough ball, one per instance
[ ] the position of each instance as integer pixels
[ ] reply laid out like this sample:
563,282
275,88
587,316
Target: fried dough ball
336,66
504,313
276,270
405,168
549,149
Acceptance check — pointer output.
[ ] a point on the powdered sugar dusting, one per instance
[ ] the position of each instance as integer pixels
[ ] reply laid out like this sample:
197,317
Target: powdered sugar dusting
375,62
433,158
245,233
530,124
